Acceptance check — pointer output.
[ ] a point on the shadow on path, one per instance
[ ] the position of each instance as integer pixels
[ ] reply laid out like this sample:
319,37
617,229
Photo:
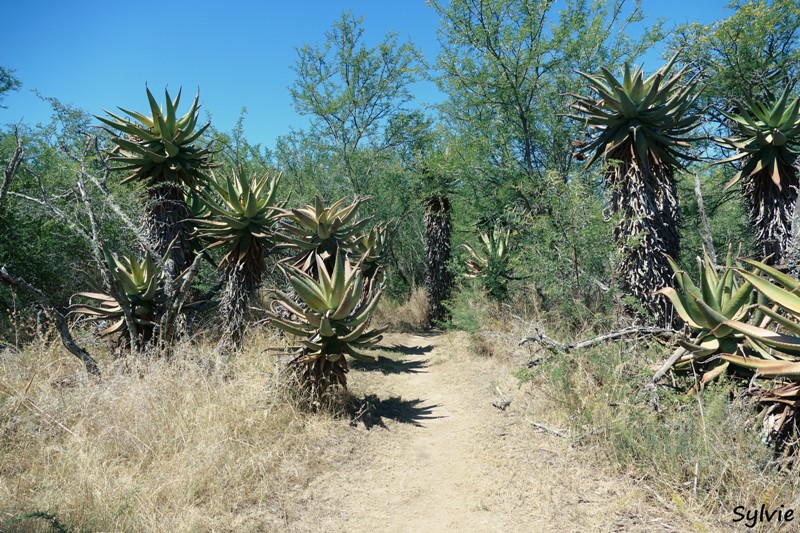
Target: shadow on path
408,350
391,366
372,411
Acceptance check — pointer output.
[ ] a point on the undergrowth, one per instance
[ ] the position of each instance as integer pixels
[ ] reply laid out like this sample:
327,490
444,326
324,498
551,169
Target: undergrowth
700,450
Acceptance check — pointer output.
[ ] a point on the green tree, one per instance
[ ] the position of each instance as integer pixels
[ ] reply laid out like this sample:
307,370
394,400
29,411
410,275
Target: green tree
359,99
353,93
8,83
506,65
746,61
748,55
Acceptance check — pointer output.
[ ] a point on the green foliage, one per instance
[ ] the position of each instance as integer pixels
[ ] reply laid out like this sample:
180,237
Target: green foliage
506,65
353,93
320,230
491,265
752,53
240,215
8,83
768,139
645,118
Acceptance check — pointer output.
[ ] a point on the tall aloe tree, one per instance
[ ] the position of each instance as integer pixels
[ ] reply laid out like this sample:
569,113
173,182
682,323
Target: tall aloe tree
639,130
160,151
767,142
240,215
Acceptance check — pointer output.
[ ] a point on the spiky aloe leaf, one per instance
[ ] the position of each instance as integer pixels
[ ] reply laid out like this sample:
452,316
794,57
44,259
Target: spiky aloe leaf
158,147
334,315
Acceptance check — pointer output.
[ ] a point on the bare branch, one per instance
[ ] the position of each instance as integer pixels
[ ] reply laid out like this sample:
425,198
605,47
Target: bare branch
11,168
60,321
57,214
95,237
638,331
706,233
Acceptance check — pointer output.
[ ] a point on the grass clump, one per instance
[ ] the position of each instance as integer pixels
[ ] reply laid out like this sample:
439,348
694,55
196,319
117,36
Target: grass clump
165,446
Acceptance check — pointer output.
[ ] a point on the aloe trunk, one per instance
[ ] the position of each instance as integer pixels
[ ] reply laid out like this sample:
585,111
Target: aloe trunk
646,206
241,281
166,222
770,209
438,278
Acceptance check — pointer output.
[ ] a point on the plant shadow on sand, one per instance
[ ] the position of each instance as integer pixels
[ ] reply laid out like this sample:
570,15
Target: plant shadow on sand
388,365
372,411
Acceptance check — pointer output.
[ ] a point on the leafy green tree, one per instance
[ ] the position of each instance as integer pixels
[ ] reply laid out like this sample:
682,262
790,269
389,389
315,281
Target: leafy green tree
353,93
746,61
750,54
359,99
506,65
8,83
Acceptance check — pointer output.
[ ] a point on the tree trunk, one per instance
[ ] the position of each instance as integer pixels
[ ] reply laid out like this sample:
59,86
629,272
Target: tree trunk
646,206
242,279
437,254
166,223
771,210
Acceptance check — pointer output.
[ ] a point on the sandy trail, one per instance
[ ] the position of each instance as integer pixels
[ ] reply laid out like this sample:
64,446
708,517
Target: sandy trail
432,453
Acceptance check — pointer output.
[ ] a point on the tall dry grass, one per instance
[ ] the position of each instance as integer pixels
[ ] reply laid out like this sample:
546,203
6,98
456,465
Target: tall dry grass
193,444
404,317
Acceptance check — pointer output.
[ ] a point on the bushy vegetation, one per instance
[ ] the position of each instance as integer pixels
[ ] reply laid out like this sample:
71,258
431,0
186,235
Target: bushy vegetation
558,188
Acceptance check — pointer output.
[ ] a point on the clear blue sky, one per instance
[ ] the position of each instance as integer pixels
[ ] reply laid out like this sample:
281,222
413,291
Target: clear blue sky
98,55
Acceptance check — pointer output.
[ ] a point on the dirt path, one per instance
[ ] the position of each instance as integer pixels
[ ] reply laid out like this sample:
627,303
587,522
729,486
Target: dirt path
432,453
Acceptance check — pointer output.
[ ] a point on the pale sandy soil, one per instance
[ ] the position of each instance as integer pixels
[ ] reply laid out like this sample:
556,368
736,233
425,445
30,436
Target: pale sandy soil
432,453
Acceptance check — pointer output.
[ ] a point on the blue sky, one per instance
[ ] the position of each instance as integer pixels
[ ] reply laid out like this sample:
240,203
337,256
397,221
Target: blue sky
98,55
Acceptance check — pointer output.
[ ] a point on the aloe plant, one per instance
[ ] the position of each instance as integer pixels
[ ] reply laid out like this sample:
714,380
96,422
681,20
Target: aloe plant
704,308
160,150
767,142
640,130
238,214
137,303
317,229
491,264
367,250
331,324
730,332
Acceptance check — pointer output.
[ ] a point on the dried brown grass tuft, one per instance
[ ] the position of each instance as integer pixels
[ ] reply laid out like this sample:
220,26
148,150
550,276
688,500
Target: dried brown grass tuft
407,317
191,444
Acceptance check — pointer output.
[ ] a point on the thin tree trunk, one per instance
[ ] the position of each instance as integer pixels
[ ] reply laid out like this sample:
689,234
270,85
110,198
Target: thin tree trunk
58,318
708,242
11,169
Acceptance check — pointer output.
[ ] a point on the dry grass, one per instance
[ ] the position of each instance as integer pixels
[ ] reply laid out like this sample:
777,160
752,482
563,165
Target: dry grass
698,454
165,447
410,316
